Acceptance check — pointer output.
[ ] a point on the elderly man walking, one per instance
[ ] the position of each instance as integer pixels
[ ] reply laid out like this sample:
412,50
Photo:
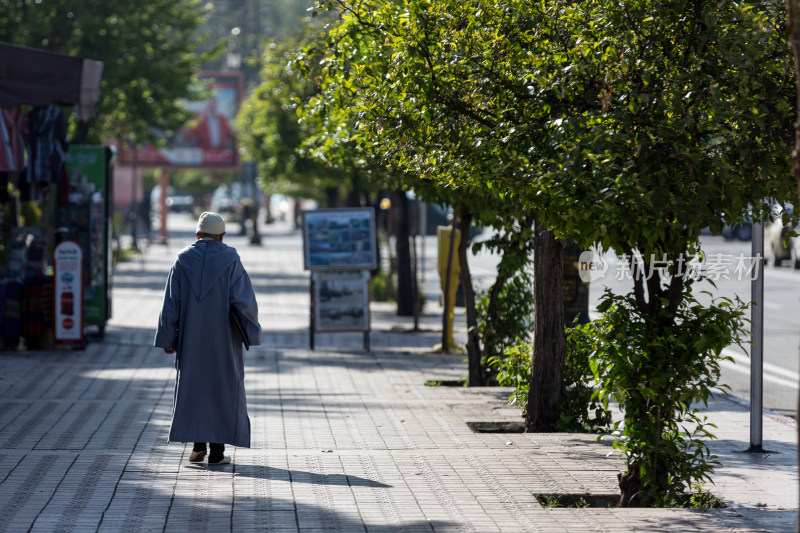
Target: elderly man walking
205,285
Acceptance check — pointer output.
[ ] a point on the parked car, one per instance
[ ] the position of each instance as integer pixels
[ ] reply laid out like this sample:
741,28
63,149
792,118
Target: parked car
177,201
779,244
180,202
227,198
437,215
742,231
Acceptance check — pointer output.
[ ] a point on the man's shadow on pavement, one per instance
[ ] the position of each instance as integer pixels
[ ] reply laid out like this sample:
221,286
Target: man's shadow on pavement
300,476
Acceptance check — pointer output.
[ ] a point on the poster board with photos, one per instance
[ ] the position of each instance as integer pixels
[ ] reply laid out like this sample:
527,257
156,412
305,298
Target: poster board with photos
341,300
339,239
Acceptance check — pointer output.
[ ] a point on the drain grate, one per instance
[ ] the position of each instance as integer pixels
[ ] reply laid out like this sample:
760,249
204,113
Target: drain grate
496,427
578,500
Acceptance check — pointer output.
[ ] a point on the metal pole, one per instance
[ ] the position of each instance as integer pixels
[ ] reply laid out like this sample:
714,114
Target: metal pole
162,219
423,222
757,347
312,326
134,204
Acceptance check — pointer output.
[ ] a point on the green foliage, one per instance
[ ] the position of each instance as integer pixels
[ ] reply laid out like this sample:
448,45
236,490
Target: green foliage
574,106
660,374
513,369
270,133
704,500
669,120
550,501
510,323
244,25
379,288
148,49
364,119
580,410
30,213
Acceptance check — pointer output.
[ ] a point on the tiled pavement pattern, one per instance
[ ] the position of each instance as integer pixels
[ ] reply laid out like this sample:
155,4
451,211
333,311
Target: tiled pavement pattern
342,440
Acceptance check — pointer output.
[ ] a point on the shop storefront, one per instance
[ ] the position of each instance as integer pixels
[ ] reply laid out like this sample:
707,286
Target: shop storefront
51,193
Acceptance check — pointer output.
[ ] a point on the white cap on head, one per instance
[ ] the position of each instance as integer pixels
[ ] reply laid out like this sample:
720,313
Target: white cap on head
211,223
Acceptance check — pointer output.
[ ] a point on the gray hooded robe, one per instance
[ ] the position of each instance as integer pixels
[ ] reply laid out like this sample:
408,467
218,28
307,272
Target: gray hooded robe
205,281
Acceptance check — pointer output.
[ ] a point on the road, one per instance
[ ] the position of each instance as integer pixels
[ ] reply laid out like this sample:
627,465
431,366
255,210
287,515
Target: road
781,315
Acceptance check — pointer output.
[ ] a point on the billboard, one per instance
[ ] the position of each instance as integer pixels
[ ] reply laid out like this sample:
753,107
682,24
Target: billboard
208,139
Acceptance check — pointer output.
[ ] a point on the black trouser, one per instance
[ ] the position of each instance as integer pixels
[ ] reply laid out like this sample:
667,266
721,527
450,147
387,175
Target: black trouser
217,451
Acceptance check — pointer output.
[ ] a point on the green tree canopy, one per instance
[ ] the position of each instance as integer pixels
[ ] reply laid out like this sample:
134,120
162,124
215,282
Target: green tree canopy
269,132
148,49
609,117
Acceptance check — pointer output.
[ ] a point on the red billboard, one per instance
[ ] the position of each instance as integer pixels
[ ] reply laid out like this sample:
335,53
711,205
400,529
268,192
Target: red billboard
208,139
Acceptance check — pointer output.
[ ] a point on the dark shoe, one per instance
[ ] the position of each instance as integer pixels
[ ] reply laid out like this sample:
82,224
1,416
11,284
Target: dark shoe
226,459
197,457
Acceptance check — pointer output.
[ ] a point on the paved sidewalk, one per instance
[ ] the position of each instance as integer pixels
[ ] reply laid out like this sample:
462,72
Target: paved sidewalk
343,440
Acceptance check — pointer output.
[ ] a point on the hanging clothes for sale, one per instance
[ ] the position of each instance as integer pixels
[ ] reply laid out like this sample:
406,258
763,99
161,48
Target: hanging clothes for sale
47,146
13,135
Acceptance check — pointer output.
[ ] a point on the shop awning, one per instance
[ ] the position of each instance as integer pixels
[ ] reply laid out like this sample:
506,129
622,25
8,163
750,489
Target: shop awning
38,77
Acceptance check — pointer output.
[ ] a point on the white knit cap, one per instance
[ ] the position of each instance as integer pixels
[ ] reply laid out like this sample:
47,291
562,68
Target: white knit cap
211,223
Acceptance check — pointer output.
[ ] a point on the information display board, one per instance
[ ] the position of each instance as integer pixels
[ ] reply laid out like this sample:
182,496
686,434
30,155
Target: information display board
341,300
339,239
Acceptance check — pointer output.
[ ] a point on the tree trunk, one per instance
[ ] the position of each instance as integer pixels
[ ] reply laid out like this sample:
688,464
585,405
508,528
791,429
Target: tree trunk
793,10
475,374
415,265
549,343
356,193
332,197
377,244
405,282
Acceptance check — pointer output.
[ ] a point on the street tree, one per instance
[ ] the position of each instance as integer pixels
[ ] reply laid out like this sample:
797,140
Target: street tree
406,76
270,134
349,101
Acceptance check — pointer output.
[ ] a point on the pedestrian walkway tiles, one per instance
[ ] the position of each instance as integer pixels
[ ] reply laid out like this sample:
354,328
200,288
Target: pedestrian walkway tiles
342,440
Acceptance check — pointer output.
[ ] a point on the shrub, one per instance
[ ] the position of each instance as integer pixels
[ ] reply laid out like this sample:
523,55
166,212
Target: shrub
579,410
509,325
659,369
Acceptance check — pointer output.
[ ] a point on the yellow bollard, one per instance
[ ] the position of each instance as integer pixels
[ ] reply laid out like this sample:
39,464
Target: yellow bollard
444,233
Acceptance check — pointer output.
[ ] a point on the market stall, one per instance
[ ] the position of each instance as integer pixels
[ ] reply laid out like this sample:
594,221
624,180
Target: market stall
50,192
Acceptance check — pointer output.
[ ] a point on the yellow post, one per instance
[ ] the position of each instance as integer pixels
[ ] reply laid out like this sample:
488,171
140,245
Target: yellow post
444,233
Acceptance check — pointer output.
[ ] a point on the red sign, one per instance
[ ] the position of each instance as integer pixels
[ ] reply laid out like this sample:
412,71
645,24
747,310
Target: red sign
208,140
